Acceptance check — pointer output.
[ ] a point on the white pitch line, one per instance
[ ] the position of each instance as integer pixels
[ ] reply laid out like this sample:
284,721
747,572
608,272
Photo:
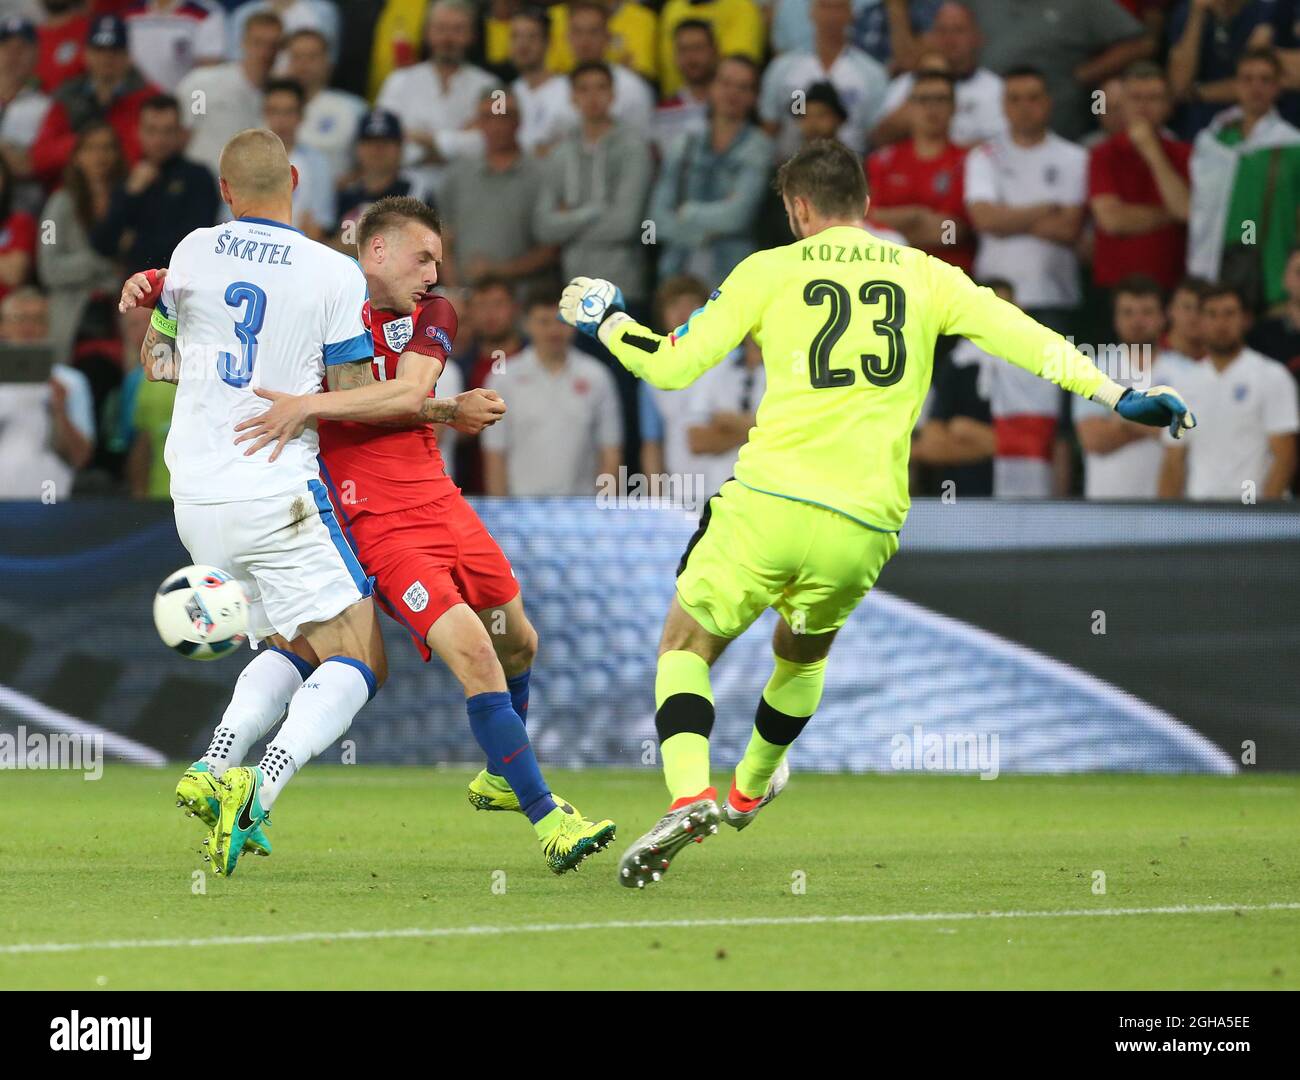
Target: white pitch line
635,924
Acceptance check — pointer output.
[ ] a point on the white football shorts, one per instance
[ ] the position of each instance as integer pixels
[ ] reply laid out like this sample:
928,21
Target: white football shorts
288,552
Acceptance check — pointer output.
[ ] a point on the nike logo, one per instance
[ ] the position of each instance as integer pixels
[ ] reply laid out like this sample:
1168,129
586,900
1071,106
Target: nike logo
511,757
244,821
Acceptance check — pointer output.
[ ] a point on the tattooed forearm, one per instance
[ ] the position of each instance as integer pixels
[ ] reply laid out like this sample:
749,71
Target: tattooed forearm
434,411
350,376
440,410
158,357
360,373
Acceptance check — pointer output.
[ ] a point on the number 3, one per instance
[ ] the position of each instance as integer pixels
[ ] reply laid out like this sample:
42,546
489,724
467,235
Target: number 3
238,371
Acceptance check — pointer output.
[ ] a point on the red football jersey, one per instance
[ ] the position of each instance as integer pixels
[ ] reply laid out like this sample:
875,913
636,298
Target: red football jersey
61,52
898,177
1116,168
376,470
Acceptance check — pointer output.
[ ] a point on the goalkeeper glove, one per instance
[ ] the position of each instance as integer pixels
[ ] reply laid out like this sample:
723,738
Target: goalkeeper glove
587,303
1161,406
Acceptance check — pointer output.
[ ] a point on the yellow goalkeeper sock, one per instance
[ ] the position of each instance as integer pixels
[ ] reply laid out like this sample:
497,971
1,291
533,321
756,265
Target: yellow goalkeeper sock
790,698
684,721
755,770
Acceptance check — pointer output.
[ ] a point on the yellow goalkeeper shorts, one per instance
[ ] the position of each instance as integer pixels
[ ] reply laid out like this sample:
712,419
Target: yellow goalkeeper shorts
753,551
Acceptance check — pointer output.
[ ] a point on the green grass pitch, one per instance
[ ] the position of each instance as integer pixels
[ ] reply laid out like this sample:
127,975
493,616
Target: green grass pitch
835,885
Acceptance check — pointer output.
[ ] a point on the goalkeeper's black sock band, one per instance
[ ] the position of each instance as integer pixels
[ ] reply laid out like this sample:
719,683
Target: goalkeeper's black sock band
684,713
777,727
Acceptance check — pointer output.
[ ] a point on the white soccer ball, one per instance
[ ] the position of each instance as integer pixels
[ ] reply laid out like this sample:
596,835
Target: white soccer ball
201,612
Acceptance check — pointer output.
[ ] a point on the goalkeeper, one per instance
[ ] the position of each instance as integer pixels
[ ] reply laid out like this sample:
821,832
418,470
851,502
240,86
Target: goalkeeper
847,324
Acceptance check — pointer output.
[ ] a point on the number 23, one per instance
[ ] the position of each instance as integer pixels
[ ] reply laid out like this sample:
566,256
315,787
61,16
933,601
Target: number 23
878,370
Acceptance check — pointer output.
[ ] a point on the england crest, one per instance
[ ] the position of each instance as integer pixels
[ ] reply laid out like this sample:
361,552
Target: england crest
398,333
416,597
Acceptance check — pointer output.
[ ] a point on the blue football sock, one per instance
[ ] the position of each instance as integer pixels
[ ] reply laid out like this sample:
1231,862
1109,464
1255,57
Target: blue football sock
518,687
504,740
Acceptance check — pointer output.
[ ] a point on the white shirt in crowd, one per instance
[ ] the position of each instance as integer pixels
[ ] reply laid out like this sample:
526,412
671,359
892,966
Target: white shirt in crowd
419,98
318,15
732,386
315,192
20,122
21,118
1132,471
680,410
677,117
450,383
217,101
860,80
165,45
633,106
330,123
544,111
1023,407
979,113
1045,274
299,304
1237,409
677,412
558,423
30,468
634,101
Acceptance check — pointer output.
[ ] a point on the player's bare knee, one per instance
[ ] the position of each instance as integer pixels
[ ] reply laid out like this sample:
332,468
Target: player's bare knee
683,634
477,666
800,648
520,651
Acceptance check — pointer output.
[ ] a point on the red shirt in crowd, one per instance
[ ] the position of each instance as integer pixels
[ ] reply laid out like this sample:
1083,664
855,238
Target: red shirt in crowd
57,138
376,470
61,52
1116,168
899,177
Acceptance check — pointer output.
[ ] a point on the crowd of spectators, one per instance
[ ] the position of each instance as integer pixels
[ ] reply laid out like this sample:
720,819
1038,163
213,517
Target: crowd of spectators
1127,171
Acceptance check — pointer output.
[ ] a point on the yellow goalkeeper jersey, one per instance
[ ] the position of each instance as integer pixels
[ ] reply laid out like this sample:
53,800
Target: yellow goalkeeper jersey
847,324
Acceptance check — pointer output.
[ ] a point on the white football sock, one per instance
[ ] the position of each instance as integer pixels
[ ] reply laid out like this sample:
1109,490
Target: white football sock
319,714
261,695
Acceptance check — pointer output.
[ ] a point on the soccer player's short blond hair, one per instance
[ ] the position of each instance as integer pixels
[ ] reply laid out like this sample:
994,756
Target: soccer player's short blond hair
255,166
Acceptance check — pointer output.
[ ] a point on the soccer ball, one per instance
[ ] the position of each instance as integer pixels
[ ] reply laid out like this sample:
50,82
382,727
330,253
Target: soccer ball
201,612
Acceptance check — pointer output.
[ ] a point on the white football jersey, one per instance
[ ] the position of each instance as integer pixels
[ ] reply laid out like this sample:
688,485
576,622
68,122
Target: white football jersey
257,304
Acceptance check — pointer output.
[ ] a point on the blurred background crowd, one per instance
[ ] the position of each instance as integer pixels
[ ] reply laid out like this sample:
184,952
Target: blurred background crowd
1128,171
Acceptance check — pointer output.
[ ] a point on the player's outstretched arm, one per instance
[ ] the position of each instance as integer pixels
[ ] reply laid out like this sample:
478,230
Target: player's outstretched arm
595,307
1002,329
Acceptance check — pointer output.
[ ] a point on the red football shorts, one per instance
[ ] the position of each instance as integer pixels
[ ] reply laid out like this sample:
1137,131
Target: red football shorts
430,558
